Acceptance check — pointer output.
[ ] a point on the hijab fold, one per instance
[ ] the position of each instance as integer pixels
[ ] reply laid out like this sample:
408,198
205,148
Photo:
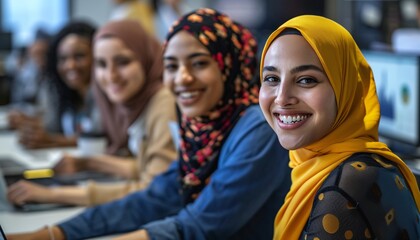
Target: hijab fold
355,128
117,117
234,49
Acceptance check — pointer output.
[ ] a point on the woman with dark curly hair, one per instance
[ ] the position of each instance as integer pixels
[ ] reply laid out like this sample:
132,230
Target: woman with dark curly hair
69,67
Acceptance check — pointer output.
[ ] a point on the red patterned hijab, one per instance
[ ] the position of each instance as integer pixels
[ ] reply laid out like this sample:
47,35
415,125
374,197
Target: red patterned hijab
117,118
234,48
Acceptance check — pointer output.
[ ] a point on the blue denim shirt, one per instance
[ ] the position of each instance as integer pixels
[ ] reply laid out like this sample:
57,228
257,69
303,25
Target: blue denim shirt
240,202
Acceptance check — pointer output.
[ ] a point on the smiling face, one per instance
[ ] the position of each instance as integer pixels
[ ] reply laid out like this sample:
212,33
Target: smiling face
117,70
296,96
192,75
74,54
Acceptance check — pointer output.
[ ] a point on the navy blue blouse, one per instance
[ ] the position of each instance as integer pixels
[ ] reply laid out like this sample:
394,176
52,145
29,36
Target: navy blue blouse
240,202
366,197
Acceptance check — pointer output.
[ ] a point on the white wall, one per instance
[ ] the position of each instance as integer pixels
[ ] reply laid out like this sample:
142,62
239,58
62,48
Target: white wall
96,11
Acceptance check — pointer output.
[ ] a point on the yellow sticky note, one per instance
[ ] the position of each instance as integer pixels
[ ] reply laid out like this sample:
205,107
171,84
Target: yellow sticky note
38,173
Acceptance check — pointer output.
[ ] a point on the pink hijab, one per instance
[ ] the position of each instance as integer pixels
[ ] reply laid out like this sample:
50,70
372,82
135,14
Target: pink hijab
117,117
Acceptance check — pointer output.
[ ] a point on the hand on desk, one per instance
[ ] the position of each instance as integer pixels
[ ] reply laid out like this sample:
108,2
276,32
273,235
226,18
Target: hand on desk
33,126
16,118
23,191
32,135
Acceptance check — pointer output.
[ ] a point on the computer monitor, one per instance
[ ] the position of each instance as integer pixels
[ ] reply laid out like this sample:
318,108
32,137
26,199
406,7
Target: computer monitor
6,41
397,78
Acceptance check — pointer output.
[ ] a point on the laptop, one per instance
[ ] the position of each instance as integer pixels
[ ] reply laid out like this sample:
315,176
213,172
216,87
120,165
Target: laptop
5,205
11,168
12,171
2,234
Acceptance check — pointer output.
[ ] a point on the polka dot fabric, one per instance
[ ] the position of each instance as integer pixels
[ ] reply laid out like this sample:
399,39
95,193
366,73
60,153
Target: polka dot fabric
363,208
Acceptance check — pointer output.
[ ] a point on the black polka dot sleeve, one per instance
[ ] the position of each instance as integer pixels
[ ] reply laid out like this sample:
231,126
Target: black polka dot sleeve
366,197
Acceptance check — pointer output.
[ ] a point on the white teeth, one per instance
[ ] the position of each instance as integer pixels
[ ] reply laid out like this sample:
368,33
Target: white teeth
188,94
291,120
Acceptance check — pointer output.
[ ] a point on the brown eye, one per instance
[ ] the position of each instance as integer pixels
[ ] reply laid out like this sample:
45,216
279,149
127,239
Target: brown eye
123,61
80,56
307,81
271,80
100,63
200,64
171,67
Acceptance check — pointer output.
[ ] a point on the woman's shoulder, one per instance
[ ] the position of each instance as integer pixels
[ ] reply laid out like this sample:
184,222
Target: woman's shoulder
251,117
252,135
364,168
162,97
252,123
161,104
366,175
373,187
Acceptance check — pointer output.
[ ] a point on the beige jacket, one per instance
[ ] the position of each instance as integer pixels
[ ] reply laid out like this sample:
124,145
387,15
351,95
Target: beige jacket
156,151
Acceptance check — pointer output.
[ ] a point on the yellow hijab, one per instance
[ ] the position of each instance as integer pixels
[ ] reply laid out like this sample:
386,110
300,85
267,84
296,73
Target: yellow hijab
355,128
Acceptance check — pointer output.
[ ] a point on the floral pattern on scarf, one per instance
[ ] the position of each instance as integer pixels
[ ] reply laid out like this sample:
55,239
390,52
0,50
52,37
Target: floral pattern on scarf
234,49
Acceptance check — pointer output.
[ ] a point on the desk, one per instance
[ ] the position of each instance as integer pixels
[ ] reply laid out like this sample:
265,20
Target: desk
17,222
42,158
14,222
9,147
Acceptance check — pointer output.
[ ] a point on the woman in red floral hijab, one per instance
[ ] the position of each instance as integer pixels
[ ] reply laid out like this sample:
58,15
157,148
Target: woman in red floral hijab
233,47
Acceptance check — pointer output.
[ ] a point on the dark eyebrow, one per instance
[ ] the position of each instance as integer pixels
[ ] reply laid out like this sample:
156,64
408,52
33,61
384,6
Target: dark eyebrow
189,56
305,68
296,69
269,68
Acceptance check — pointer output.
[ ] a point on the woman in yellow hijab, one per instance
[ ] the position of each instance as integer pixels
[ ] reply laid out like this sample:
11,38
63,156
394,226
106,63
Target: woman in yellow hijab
318,94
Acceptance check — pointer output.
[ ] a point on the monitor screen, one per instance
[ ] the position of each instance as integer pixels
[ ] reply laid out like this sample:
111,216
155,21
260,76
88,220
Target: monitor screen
6,43
24,18
397,85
